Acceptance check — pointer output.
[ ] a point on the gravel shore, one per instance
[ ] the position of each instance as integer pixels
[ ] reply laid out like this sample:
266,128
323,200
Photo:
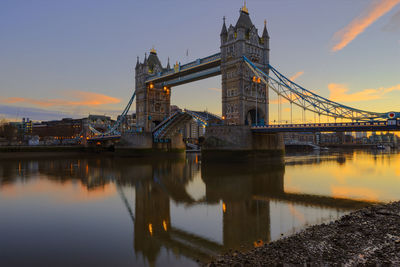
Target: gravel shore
370,236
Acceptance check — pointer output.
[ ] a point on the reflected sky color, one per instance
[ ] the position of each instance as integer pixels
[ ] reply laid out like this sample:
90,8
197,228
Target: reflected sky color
129,211
49,47
358,176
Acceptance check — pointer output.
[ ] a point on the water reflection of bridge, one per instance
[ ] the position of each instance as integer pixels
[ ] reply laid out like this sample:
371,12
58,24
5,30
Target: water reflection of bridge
245,191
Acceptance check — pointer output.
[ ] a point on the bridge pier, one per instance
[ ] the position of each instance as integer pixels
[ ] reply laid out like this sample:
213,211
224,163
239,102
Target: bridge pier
237,143
141,144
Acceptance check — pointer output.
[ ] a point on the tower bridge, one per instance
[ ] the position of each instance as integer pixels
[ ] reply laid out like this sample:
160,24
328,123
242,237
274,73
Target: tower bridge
247,78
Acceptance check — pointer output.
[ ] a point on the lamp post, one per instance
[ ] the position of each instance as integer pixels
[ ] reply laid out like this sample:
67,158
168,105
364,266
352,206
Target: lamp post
256,81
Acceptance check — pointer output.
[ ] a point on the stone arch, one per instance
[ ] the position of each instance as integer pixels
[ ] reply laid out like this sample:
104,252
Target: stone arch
253,115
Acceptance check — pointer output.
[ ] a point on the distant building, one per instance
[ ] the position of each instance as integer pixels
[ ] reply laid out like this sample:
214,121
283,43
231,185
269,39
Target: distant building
192,130
66,128
100,122
383,139
299,137
128,123
27,125
360,135
331,138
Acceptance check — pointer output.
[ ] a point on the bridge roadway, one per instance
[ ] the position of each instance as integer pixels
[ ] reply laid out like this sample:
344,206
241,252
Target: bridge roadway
372,126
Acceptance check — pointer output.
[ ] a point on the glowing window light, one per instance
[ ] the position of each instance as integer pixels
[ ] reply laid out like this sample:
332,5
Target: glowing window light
150,229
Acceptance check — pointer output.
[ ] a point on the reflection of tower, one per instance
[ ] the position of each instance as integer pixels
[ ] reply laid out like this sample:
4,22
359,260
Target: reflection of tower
152,219
245,220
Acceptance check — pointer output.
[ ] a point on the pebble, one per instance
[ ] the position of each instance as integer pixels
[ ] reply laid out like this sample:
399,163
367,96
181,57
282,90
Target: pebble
366,237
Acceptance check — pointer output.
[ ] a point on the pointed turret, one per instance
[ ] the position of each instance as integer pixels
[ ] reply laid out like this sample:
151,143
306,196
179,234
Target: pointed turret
153,62
168,65
145,58
265,34
244,20
224,31
137,63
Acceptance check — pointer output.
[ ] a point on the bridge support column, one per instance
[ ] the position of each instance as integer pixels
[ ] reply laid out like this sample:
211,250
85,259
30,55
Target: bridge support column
237,143
176,144
141,144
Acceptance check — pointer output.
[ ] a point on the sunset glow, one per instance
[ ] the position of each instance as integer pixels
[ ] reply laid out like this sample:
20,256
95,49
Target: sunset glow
362,22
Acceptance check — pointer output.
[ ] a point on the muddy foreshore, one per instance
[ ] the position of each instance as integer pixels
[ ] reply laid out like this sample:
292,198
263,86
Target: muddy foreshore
370,236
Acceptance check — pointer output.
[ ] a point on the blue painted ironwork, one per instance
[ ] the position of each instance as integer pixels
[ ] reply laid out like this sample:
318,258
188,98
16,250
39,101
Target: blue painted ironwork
204,118
170,125
389,125
113,129
166,127
308,100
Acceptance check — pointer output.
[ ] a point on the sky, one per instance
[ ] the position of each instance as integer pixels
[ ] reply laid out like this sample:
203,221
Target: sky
74,58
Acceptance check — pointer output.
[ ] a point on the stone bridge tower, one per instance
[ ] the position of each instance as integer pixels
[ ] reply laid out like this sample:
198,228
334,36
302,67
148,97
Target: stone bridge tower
243,101
152,100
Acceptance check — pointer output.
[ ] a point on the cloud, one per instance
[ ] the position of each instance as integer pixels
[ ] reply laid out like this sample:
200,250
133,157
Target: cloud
16,113
379,8
340,93
296,75
76,98
215,89
276,101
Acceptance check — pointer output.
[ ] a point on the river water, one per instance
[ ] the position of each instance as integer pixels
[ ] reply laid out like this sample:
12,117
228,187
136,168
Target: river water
106,211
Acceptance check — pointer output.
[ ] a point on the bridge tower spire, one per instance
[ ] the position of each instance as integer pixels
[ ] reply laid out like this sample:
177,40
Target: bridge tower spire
243,101
224,32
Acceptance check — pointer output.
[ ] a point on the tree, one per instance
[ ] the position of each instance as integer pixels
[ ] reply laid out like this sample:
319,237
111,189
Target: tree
8,131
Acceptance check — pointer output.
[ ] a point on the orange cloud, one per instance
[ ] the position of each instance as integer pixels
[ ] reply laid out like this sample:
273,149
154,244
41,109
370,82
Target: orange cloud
296,75
339,92
276,101
80,98
360,23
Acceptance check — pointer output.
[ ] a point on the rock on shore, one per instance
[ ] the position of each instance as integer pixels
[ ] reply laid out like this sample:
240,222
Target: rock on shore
370,236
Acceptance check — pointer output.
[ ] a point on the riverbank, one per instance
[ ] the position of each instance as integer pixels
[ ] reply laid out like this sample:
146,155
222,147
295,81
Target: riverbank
368,236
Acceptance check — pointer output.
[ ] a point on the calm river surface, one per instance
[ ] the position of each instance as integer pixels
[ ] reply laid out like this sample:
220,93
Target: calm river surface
105,211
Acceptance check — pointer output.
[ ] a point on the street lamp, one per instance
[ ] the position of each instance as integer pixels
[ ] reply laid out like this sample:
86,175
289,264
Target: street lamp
256,81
